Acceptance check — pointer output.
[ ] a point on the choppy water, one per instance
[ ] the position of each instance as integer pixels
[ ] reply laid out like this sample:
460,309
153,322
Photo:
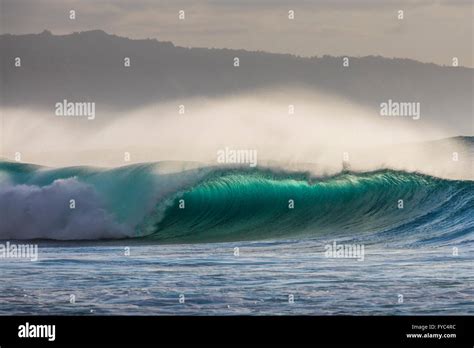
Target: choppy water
258,282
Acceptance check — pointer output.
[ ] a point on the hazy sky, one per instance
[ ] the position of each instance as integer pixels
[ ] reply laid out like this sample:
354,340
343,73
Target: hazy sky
431,31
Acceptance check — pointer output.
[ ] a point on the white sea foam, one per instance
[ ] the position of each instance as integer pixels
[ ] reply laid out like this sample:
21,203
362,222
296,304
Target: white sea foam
33,212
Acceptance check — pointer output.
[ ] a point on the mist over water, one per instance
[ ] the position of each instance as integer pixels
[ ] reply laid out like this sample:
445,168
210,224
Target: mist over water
321,132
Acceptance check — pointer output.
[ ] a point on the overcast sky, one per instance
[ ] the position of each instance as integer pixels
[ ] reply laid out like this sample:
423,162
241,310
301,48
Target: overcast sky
431,31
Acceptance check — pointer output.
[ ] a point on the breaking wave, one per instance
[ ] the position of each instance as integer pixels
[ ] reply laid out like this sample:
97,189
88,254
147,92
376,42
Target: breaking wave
210,204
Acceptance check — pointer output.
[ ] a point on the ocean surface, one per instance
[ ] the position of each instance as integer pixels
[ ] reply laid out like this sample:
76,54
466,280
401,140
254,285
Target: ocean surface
146,240
258,282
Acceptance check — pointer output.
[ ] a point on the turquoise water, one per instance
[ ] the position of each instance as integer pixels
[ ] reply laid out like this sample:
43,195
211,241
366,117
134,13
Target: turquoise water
216,205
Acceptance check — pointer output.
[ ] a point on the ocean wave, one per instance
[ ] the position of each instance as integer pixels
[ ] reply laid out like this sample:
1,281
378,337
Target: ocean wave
215,204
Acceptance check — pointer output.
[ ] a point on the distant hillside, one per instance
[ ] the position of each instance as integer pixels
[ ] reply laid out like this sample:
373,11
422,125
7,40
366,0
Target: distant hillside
89,66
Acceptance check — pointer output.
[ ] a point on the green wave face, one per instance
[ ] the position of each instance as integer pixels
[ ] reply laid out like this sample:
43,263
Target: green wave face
230,204
257,205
